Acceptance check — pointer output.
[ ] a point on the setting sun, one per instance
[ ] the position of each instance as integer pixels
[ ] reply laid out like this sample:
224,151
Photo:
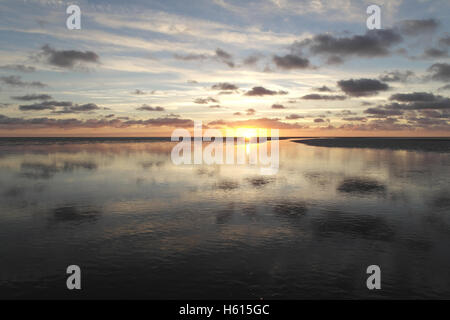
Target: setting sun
247,132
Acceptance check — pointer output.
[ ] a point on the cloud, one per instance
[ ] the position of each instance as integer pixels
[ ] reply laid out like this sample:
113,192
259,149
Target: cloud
444,41
362,87
415,27
415,96
250,111
206,100
45,105
294,117
323,89
315,96
374,43
88,107
225,86
219,55
18,67
438,104
224,57
334,60
67,58
268,123
445,114
60,107
29,97
278,106
261,91
191,57
446,87
440,72
291,61
363,119
16,81
435,53
383,112
319,120
145,107
215,106
396,76
20,123
344,113
252,59
139,92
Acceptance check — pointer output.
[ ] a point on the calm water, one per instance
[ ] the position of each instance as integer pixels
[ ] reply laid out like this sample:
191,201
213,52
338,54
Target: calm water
141,227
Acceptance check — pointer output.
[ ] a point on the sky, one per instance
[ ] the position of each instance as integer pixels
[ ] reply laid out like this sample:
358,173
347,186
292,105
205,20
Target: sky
145,68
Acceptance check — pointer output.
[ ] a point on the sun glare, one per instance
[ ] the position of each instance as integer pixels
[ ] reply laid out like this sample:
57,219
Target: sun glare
247,132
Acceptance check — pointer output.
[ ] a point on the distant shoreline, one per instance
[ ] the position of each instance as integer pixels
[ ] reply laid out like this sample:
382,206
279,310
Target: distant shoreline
413,144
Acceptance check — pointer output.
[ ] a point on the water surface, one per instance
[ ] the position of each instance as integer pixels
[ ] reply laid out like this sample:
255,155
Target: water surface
141,227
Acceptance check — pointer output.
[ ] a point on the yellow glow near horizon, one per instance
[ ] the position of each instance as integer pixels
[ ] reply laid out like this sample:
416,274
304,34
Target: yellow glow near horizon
246,132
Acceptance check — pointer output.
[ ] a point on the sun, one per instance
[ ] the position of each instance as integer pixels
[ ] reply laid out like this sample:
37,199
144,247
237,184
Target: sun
247,133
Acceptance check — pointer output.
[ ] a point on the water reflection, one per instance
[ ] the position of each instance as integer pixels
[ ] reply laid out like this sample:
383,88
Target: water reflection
124,211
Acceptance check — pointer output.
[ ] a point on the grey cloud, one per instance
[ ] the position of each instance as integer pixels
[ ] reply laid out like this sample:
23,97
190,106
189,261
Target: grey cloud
363,119
415,96
30,97
334,60
139,92
67,58
372,44
220,55
191,57
273,123
16,81
250,111
150,108
415,27
346,113
20,123
205,100
315,96
252,59
440,72
294,117
323,89
396,76
291,61
446,87
445,114
439,104
225,57
435,53
278,106
18,67
225,86
261,91
45,105
362,87
319,120
88,107
445,41
383,112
